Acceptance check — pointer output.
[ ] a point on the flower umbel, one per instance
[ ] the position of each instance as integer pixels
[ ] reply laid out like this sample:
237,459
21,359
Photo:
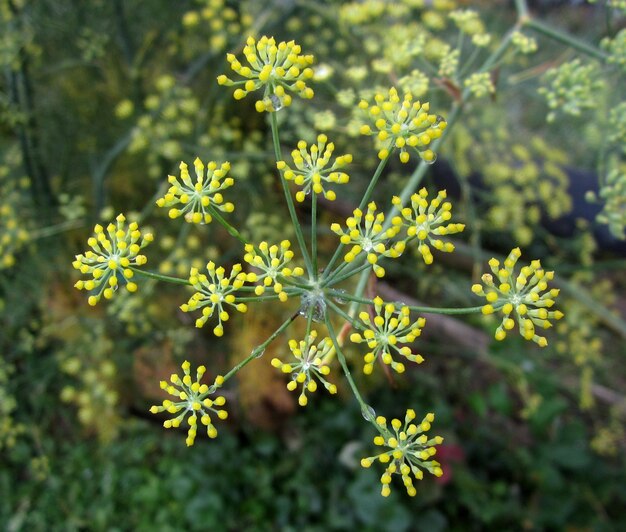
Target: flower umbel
312,169
308,367
527,295
115,251
214,293
409,451
276,68
369,238
403,124
194,400
272,261
197,199
383,333
425,219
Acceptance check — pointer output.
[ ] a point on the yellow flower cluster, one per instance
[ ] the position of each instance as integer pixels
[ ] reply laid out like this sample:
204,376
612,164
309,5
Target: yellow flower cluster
94,392
402,124
384,332
312,169
115,252
214,293
424,219
194,400
527,295
308,367
410,451
369,238
272,261
12,235
480,84
468,21
197,199
277,68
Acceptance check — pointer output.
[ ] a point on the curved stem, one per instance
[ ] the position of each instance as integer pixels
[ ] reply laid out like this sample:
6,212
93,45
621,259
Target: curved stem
288,198
231,230
365,408
258,351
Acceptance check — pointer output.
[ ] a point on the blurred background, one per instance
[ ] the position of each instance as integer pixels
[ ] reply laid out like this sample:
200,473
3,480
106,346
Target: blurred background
101,100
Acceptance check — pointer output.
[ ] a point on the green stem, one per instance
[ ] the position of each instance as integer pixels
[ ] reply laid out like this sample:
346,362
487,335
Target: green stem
360,288
565,38
343,275
344,315
314,233
288,199
160,277
231,230
258,351
250,299
365,408
429,310
522,9
366,197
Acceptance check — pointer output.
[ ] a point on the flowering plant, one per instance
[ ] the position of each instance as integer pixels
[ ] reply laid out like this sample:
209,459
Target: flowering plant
371,238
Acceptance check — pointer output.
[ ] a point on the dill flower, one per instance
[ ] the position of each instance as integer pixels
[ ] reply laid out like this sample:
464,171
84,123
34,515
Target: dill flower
402,124
480,84
524,43
115,252
272,261
423,219
215,293
613,193
526,295
616,48
571,88
369,237
197,199
313,170
194,400
410,451
383,333
308,367
275,68
468,21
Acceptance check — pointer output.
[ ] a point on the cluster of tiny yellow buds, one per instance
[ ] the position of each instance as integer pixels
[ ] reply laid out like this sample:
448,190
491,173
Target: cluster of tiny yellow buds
312,168
369,237
425,219
13,235
403,124
527,295
309,366
410,451
193,398
275,67
272,261
480,84
115,251
468,21
385,332
215,292
524,43
197,199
